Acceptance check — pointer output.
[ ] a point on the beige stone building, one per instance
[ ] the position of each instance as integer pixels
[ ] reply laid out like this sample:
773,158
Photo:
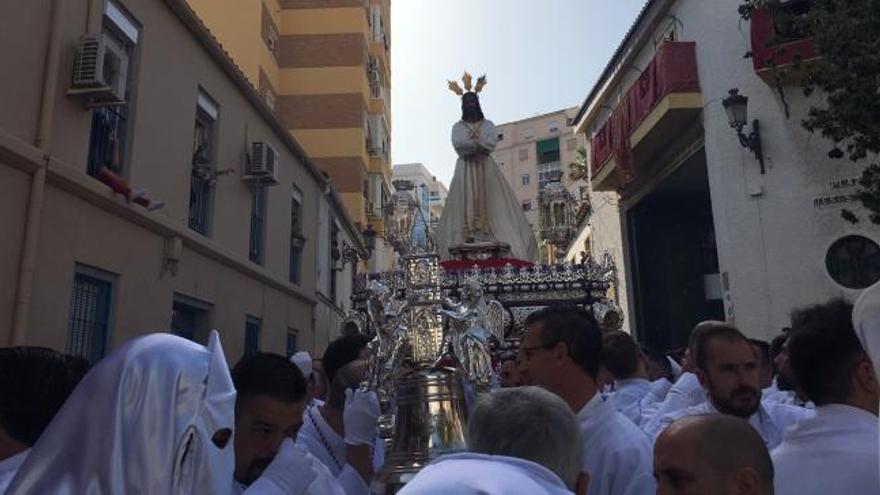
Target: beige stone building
528,152
138,94
324,66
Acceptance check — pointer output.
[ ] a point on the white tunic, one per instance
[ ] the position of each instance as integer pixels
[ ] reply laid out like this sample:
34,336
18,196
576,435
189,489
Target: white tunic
617,455
686,392
770,421
628,395
8,468
650,403
323,483
480,474
312,436
834,452
866,321
481,204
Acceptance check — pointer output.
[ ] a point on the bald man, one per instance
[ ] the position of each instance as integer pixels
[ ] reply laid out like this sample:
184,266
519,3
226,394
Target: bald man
717,454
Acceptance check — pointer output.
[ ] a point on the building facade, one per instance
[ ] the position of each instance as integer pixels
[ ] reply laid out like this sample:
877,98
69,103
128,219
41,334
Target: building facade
430,192
699,227
325,67
530,152
162,194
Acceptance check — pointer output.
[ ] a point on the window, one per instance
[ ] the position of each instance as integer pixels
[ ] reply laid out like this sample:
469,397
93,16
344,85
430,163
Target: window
501,136
190,318
525,179
553,127
297,241
202,168
547,150
571,144
108,141
90,311
258,224
291,342
527,134
523,154
526,206
854,262
252,335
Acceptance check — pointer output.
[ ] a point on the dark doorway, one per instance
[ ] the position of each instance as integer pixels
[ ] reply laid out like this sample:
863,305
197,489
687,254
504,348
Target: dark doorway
674,259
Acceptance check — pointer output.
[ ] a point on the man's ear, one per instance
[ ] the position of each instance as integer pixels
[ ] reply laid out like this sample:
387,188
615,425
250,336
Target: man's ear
702,376
748,482
560,352
865,377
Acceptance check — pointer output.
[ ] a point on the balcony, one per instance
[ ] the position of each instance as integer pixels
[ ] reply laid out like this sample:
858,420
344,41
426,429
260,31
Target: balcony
379,96
776,45
663,102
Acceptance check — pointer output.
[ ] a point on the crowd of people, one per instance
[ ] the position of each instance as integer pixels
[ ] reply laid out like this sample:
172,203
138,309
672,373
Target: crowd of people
576,410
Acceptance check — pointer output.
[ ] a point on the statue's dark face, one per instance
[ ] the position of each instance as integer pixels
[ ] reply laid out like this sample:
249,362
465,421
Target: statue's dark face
470,108
470,103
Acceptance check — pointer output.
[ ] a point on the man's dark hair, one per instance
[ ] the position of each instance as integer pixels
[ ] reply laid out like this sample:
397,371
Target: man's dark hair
659,360
270,375
823,350
764,350
706,332
34,383
574,327
620,354
342,351
471,115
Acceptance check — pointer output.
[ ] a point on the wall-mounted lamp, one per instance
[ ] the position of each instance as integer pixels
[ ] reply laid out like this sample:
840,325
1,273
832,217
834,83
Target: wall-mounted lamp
344,256
737,108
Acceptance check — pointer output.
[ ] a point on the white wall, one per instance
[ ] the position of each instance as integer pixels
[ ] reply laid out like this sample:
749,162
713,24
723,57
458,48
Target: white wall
771,239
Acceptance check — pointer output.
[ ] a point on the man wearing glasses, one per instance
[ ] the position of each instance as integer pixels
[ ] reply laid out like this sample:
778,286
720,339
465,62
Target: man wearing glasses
561,352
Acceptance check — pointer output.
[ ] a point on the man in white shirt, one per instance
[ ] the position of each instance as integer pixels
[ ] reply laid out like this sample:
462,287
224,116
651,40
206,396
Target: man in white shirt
622,358
727,368
561,352
34,383
345,439
712,455
521,441
836,451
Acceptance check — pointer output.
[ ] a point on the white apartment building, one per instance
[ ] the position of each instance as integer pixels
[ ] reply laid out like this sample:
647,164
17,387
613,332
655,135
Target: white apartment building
699,227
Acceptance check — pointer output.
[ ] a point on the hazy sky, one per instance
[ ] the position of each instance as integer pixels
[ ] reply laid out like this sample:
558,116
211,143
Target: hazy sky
539,56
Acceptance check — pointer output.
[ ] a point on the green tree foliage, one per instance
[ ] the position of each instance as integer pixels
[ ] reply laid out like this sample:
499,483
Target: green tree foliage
845,79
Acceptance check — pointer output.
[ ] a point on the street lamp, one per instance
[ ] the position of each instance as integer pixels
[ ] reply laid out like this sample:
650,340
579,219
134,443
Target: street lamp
737,108
369,235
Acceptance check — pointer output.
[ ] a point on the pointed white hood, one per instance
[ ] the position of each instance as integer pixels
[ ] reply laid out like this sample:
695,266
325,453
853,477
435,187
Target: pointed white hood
141,421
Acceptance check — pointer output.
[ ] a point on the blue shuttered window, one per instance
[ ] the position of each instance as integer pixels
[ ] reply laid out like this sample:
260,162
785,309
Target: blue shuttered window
89,320
258,224
252,335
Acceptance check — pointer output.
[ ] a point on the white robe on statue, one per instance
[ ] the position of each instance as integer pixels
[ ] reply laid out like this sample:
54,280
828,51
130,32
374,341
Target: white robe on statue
617,455
834,452
481,204
481,474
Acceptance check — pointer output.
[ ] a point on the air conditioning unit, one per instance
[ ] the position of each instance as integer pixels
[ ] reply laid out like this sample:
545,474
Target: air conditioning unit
262,164
100,71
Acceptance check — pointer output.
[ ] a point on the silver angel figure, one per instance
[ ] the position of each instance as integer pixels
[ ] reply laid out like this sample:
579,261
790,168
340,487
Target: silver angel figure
471,321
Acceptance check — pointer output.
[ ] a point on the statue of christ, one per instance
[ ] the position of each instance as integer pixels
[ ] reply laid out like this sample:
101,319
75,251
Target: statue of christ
481,206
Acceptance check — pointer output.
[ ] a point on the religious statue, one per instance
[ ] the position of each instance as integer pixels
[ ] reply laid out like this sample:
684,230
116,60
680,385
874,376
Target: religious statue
472,321
481,207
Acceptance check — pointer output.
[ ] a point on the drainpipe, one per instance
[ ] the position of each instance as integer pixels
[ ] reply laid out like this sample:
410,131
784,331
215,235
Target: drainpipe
38,181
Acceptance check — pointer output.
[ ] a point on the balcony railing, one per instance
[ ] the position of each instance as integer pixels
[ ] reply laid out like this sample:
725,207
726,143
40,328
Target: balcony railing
773,48
673,70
